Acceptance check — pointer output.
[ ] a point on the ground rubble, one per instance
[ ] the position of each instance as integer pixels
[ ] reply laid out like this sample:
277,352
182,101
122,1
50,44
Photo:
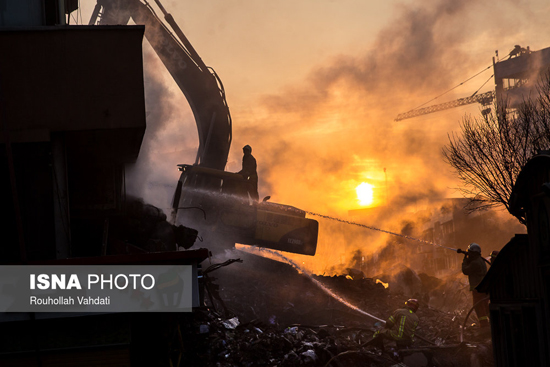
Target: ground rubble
268,314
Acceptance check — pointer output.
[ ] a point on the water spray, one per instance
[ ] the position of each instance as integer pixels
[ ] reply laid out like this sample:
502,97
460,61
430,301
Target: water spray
340,299
325,289
380,230
315,281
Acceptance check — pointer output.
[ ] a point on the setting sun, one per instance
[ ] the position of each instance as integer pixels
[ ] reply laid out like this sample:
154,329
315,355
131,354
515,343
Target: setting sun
365,193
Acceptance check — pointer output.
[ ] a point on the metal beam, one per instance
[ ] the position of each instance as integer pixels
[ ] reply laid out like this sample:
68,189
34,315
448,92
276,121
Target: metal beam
484,99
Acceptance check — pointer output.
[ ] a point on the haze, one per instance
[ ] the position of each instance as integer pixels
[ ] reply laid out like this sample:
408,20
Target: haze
314,87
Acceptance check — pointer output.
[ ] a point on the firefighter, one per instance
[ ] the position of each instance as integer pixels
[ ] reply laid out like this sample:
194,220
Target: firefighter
249,173
400,327
473,265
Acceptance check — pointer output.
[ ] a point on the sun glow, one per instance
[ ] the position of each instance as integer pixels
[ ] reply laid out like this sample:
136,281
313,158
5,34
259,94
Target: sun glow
365,193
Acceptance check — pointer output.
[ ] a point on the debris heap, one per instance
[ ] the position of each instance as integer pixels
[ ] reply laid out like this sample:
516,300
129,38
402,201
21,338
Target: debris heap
265,313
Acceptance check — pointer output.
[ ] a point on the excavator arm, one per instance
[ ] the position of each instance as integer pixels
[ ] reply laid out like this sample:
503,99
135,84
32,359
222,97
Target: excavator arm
200,85
205,188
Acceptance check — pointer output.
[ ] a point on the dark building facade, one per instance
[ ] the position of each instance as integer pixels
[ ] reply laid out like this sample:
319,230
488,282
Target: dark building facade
518,282
72,115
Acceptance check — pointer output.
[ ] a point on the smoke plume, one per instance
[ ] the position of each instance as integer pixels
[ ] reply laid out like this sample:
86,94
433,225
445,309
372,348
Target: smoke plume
318,140
315,141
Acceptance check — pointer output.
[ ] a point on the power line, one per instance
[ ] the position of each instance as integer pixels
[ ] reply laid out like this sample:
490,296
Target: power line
467,80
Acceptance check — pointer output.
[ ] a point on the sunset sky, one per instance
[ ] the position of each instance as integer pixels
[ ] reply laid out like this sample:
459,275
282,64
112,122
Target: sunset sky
314,87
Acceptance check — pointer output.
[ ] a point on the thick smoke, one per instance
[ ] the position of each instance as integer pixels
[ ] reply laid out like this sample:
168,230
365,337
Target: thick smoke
318,140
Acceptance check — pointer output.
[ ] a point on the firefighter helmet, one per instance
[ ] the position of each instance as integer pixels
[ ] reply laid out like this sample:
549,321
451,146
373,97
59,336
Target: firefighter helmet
412,304
474,247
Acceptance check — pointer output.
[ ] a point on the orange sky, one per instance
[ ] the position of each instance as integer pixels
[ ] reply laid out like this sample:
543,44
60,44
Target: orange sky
314,87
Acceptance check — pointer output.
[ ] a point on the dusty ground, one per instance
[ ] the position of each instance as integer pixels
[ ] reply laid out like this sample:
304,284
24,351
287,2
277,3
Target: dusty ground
269,314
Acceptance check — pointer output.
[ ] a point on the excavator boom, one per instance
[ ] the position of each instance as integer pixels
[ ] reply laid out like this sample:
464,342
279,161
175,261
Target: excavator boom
228,217
201,87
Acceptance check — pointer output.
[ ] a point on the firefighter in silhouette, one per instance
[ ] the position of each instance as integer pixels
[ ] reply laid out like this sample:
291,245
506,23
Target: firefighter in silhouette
249,173
473,265
400,327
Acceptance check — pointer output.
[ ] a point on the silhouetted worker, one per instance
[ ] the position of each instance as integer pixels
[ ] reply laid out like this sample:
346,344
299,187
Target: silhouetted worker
249,173
400,327
473,265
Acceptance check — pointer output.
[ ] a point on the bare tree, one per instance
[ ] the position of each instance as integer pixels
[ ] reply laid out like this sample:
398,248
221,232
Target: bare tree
492,149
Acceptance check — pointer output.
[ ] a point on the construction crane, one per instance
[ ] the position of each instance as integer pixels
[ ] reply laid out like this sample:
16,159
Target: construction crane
515,78
485,99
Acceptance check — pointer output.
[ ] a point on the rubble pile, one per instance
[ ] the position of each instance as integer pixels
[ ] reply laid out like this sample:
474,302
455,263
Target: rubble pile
268,314
229,343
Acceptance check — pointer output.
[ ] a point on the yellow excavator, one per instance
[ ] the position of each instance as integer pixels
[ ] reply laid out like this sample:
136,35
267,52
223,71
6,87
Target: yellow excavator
206,197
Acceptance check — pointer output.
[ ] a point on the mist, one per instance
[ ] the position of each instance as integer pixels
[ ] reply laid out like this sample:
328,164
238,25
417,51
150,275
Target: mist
171,137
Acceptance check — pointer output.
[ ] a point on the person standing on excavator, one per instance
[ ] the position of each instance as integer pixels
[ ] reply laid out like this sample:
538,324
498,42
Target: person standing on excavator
249,173
400,327
473,265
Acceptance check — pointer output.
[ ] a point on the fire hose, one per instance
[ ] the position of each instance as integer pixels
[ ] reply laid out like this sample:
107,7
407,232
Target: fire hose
468,315
457,250
381,230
